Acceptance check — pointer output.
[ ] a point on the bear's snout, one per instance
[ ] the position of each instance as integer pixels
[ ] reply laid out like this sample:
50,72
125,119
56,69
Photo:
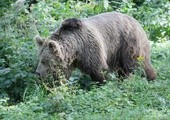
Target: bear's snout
37,73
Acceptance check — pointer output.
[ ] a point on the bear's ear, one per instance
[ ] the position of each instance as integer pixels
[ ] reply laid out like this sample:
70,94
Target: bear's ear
54,47
39,40
71,23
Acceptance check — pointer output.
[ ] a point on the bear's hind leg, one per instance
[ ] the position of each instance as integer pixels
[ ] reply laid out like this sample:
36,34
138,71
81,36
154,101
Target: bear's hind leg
149,71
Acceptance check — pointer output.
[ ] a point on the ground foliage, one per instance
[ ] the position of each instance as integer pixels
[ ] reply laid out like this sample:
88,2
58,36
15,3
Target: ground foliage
24,96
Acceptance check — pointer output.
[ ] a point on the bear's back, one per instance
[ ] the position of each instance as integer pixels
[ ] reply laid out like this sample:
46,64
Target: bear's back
114,24
116,28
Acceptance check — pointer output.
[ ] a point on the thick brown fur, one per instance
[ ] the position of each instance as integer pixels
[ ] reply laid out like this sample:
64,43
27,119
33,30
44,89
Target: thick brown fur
110,41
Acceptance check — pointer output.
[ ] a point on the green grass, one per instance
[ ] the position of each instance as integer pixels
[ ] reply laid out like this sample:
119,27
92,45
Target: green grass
133,99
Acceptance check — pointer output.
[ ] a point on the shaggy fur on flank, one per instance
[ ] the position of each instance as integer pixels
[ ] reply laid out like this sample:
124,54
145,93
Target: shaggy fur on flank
109,41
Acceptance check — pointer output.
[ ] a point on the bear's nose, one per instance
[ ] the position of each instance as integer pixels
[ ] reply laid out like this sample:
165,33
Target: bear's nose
37,73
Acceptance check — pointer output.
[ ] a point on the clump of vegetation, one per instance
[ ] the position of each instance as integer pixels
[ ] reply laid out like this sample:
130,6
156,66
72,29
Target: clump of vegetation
22,96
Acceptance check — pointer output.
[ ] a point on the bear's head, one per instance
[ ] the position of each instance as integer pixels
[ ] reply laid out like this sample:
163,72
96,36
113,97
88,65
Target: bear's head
49,55
51,51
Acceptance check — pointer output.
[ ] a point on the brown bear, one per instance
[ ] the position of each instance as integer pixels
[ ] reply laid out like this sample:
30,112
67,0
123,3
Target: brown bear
109,41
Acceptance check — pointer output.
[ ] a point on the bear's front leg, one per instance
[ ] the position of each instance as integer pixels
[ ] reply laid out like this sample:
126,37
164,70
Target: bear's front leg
97,76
